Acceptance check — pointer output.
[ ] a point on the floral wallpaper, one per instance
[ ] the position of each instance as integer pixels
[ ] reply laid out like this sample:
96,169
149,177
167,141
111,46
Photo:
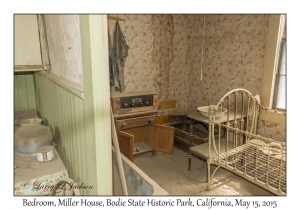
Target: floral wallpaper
272,130
162,29
138,72
234,55
165,55
63,36
157,55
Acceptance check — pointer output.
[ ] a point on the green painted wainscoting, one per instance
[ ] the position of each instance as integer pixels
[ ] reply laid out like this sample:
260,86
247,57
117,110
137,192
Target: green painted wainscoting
65,113
81,125
24,95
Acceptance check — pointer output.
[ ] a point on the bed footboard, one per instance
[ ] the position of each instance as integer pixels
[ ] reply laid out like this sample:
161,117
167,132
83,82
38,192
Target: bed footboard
262,162
257,159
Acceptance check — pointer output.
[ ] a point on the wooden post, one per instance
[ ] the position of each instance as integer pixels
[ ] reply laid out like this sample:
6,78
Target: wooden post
118,154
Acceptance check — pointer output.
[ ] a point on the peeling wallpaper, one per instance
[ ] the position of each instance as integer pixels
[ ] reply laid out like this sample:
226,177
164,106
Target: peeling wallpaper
165,55
162,29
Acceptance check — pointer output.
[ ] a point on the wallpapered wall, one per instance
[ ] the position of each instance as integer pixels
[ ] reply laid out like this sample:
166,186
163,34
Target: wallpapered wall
156,58
234,55
63,36
272,130
165,55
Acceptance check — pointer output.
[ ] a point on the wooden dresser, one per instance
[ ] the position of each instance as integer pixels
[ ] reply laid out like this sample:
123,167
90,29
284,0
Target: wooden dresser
135,119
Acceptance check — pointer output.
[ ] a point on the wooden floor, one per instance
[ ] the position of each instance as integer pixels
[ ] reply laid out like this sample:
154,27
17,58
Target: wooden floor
170,172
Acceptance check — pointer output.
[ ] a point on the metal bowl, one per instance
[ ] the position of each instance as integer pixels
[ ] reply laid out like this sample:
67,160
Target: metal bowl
204,111
31,121
29,138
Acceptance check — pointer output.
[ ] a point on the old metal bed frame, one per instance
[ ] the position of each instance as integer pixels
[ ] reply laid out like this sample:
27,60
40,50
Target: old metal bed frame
256,158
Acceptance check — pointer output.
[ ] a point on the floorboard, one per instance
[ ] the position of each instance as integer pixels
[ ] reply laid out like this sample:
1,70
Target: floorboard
170,172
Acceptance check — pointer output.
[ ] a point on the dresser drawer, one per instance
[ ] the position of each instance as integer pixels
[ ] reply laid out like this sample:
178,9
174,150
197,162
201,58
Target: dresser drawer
135,122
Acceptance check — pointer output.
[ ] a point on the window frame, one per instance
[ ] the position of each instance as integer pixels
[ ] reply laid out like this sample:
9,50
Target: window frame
276,29
276,32
282,55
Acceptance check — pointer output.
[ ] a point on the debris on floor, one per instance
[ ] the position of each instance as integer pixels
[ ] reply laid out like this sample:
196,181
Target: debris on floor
170,172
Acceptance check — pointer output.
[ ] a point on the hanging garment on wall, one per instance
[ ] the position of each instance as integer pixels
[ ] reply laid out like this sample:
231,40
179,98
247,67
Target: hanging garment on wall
111,65
120,52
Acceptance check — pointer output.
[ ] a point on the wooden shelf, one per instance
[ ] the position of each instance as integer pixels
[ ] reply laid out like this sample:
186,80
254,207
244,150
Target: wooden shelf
22,68
144,147
110,17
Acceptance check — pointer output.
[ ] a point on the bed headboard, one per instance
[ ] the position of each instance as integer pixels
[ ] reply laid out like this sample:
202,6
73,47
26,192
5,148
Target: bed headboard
239,102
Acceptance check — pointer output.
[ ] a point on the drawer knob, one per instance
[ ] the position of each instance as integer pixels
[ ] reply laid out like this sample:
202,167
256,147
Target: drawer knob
151,120
123,124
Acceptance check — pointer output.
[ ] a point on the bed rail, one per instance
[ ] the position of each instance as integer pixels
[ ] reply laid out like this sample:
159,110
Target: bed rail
259,159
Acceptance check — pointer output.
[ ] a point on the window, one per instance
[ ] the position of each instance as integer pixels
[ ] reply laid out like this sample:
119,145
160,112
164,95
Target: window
279,101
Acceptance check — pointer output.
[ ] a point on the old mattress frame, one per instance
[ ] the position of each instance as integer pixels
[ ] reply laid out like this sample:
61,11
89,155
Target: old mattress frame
258,159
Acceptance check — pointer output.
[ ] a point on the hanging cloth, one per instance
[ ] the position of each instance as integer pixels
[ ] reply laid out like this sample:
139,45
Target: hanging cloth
120,52
111,65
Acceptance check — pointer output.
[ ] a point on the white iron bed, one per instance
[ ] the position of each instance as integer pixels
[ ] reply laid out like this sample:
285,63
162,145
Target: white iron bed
258,159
